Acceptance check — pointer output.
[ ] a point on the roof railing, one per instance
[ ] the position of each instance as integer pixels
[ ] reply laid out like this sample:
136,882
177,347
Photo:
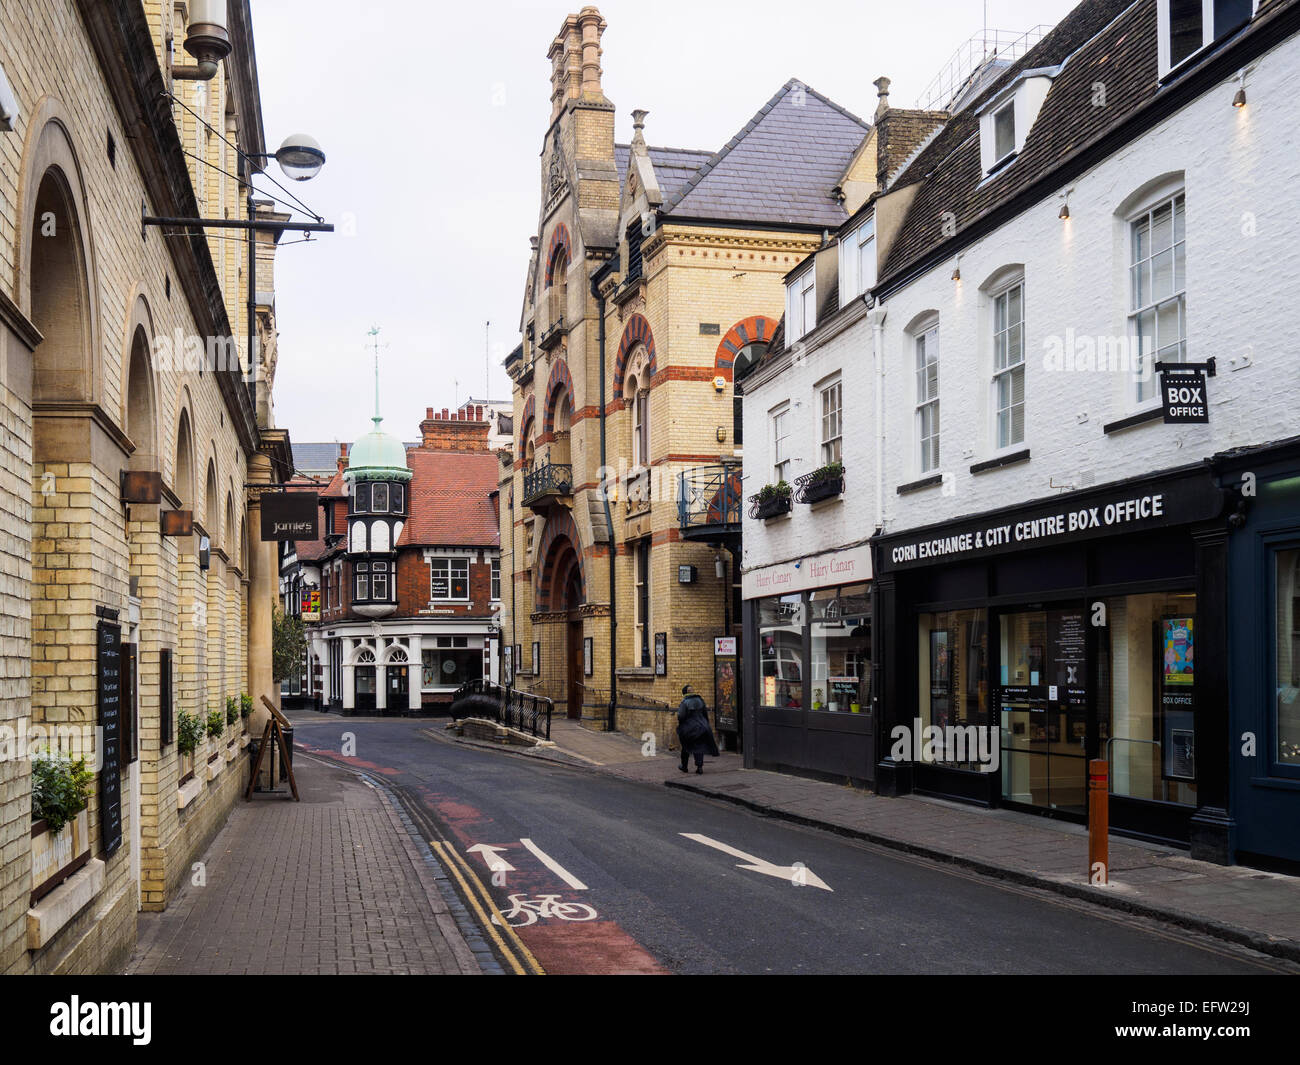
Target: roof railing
984,51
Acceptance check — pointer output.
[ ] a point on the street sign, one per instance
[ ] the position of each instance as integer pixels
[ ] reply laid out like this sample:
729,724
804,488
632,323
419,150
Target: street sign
290,516
1183,394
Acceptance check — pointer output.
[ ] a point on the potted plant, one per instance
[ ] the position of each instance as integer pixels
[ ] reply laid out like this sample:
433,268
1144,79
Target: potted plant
245,708
60,823
216,724
817,698
825,482
772,500
189,733
232,709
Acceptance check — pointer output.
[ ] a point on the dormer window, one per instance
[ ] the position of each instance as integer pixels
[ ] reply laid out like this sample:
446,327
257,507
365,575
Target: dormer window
1006,119
1188,26
801,304
1004,131
858,261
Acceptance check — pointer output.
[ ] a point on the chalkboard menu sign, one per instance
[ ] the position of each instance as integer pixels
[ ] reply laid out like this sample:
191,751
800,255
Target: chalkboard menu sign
108,690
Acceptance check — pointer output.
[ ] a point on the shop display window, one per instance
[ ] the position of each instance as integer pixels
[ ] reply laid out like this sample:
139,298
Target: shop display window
1286,637
1146,680
781,655
840,624
953,682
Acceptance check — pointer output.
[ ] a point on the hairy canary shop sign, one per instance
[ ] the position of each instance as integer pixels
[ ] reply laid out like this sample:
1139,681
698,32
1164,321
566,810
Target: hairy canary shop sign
290,516
1074,516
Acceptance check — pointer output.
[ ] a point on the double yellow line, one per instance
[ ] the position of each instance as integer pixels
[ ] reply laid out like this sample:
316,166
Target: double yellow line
517,956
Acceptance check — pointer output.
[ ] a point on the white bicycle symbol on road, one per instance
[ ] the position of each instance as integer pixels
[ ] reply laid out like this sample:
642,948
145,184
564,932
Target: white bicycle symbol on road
525,911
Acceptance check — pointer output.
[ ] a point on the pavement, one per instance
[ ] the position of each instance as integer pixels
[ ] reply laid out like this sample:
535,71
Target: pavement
1251,907
338,883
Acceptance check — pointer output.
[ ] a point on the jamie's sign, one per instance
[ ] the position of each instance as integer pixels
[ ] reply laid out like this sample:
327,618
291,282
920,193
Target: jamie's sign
1074,517
290,516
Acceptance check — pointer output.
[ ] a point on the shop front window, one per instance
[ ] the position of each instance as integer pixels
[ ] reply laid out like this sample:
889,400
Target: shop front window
953,686
780,641
840,623
1147,677
450,667
1287,643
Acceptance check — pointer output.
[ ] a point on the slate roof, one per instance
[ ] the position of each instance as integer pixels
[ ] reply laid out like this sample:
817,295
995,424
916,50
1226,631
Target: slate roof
674,167
311,458
781,168
449,499
1111,42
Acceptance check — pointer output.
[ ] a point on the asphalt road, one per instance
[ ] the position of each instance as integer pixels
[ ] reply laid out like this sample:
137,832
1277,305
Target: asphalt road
654,899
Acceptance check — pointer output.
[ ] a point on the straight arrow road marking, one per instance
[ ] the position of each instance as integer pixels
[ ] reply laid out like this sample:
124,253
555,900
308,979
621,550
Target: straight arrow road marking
554,866
492,857
792,874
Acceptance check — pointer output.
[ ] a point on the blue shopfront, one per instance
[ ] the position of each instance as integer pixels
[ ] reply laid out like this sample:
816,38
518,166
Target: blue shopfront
1264,651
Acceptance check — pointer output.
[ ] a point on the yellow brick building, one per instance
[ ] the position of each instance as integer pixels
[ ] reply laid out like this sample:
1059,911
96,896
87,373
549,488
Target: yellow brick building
653,270
124,351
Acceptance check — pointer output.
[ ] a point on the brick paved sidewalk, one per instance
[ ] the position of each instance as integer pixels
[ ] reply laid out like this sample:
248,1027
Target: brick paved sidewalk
1244,905
333,884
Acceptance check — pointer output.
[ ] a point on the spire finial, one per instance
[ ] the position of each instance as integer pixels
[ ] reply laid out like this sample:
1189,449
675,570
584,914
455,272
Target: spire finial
375,345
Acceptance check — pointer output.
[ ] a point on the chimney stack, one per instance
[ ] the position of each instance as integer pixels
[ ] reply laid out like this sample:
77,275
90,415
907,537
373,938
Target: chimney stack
343,457
460,430
575,60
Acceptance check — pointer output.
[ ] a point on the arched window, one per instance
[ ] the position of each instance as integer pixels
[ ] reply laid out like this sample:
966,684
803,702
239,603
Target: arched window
558,294
636,395
379,536
358,545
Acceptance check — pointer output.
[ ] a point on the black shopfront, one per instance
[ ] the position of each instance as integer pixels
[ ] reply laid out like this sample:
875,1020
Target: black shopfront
1014,646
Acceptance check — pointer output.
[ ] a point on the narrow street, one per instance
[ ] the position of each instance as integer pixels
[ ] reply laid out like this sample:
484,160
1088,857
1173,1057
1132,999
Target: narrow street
616,877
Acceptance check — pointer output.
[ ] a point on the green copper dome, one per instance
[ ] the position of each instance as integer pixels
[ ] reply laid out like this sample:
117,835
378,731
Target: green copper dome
377,455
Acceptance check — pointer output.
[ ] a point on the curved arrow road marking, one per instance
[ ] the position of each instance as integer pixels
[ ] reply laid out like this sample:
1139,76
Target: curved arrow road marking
791,874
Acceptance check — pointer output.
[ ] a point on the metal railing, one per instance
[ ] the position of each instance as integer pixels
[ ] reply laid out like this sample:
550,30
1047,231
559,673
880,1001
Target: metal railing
981,57
552,478
507,706
709,496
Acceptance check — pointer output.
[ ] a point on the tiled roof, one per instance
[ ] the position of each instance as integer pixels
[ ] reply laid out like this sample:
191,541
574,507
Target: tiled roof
449,499
781,168
1111,42
674,167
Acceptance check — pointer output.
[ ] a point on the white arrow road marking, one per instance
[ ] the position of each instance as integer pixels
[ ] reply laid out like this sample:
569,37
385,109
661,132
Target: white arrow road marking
490,855
554,866
790,873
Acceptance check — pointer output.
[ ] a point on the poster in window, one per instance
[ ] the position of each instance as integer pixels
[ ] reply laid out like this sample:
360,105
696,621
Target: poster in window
587,665
724,692
1181,760
661,654
537,657
1176,651
940,677
507,665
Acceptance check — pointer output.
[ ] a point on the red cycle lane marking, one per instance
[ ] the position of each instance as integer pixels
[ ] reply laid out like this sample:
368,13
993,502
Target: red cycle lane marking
597,947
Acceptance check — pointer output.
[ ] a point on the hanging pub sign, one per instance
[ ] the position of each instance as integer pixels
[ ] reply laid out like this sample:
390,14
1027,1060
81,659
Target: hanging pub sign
108,697
311,604
290,516
1183,394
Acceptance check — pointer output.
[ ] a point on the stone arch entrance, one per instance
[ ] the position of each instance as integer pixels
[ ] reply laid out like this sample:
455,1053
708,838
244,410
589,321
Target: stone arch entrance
563,574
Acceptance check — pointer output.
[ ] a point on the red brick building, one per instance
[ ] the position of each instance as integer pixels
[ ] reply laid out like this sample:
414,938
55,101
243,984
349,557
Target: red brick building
407,570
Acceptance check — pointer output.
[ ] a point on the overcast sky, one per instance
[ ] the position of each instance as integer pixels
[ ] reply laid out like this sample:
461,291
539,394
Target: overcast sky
432,117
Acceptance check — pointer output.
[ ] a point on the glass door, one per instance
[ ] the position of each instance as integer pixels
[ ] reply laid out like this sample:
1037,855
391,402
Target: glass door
1042,701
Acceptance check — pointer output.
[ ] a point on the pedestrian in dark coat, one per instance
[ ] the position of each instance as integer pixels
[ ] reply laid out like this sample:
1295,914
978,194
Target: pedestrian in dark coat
694,731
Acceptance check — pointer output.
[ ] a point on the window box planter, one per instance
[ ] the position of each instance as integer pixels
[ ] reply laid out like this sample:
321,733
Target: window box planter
57,855
825,483
771,502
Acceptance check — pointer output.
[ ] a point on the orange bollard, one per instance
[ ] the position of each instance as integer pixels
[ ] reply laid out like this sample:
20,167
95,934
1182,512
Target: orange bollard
1098,822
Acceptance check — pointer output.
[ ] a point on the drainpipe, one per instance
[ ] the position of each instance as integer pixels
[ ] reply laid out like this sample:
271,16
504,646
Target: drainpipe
611,716
876,316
